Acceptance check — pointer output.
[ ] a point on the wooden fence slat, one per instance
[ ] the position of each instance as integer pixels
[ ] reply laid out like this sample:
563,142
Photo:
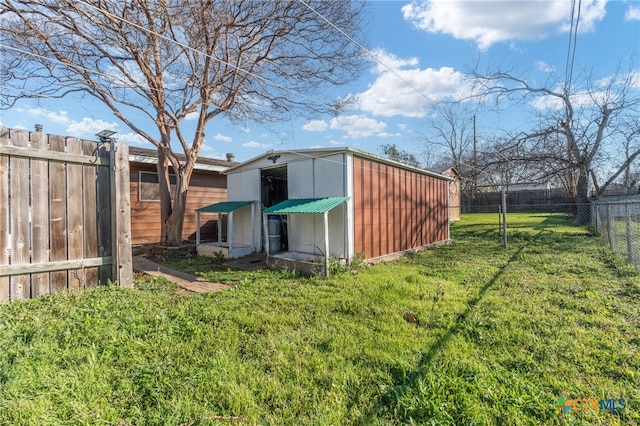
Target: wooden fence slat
4,214
58,265
39,215
75,215
58,214
20,217
90,219
16,151
104,213
122,195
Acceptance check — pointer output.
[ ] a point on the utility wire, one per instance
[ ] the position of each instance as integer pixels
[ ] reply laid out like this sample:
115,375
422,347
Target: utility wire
367,51
571,50
194,50
184,46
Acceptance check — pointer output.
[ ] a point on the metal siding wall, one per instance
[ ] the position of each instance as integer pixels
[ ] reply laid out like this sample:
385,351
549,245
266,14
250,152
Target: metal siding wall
387,222
358,199
329,176
396,209
329,182
245,186
396,212
300,179
367,206
375,208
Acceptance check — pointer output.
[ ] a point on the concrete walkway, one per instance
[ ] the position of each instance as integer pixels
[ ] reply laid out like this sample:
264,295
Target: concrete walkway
184,280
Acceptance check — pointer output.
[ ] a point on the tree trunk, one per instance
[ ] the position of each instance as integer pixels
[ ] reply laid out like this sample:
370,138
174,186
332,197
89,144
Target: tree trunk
171,211
164,190
583,210
174,223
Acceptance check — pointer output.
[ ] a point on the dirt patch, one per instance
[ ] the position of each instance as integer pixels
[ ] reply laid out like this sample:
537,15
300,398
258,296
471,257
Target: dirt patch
185,281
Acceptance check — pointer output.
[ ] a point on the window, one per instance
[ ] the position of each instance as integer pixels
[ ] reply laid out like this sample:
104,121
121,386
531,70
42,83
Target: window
148,189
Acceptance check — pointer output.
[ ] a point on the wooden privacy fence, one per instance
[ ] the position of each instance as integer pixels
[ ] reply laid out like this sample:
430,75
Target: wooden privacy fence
64,214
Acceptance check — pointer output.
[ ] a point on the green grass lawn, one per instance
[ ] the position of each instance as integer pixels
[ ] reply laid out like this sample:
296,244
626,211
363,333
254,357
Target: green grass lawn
499,336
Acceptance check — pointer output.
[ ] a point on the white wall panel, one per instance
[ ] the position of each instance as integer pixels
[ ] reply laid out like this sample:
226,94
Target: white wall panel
300,179
329,176
245,186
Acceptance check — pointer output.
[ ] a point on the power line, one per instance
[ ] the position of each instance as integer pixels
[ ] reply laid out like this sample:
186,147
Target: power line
185,46
194,50
239,69
571,50
367,51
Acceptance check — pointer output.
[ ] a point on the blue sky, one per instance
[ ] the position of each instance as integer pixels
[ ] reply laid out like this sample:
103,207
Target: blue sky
423,50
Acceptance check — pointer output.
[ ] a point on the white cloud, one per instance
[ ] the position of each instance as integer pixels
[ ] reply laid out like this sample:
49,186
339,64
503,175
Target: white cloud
547,102
88,127
222,138
61,117
386,61
388,135
254,144
132,139
578,99
316,146
358,126
632,14
315,126
491,21
209,152
544,67
411,91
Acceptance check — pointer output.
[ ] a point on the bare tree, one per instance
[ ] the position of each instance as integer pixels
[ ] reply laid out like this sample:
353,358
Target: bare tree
574,128
171,60
628,132
450,132
451,128
401,156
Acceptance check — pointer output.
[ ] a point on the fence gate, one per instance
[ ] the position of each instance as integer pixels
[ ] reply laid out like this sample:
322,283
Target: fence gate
64,214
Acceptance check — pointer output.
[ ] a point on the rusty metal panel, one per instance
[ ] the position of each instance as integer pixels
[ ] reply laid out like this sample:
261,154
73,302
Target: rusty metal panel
396,209
358,200
387,231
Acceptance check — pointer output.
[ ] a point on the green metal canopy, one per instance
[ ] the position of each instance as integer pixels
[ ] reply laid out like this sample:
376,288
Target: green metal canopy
224,206
306,205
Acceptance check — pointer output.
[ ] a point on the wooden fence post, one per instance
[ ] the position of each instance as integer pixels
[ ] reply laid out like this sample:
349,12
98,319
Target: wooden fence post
19,217
121,215
4,221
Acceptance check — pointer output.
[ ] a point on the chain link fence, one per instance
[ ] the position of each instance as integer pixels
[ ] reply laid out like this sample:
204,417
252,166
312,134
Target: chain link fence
569,213
618,221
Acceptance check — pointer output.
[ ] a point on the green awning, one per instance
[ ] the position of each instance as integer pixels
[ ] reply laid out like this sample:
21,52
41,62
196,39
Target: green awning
306,205
224,206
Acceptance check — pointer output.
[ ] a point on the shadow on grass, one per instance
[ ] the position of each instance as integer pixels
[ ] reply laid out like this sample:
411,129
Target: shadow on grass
405,384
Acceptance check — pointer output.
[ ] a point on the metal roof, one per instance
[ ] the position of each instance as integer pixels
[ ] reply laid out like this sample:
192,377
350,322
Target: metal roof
319,152
224,206
150,156
306,205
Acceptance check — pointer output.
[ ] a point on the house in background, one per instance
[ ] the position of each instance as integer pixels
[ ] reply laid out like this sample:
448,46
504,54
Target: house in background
455,193
208,185
336,203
